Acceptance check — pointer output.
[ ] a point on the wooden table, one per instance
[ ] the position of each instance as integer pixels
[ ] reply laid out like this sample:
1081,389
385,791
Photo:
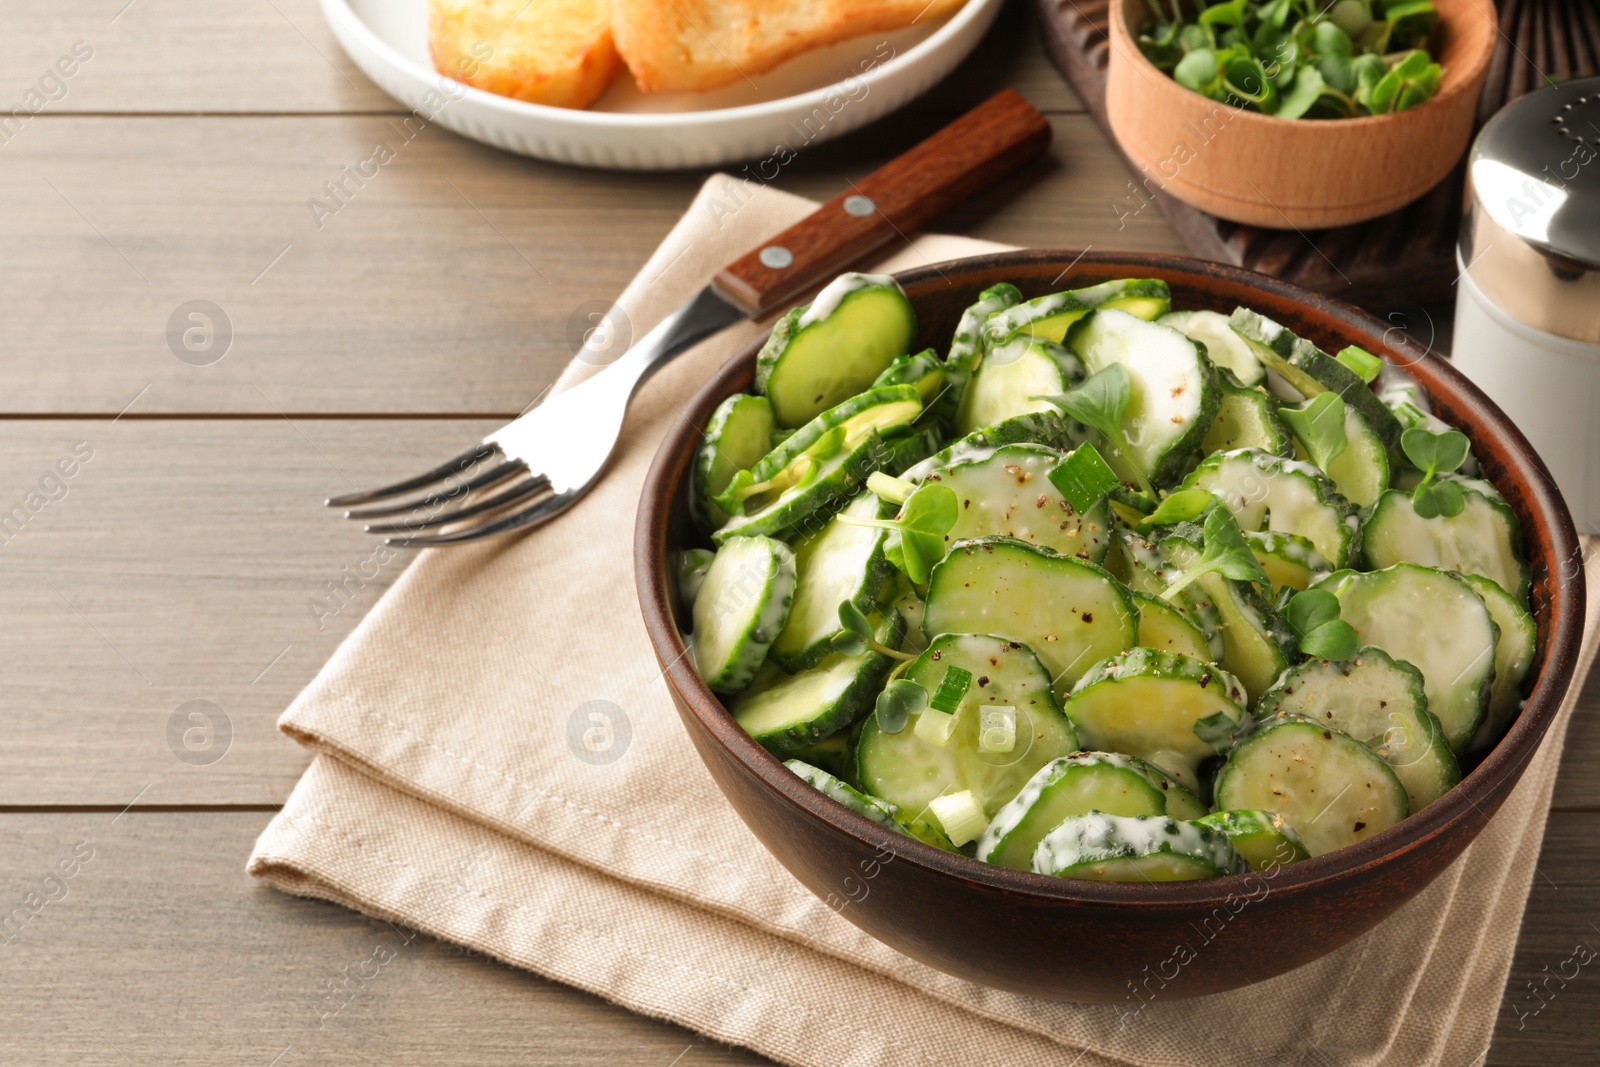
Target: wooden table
184,560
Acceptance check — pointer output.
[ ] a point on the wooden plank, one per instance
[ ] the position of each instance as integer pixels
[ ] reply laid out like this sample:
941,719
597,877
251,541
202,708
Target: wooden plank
187,561
1579,784
161,950
445,283
279,56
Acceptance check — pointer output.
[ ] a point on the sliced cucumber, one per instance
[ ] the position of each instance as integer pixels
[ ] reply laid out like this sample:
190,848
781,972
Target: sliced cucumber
842,427
1070,612
1009,493
787,713
1289,559
692,565
1267,492
846,794
1361,471
1331,788
922,370
1072,785
901,596
741,608
909,770
1166,629
1174,389
1256,644
1037,428
1264,838
1144,848
1174,711
1011,377
905,448
1381,702
1049,317
1226,349
737,436
842,562
832,753
1312,371
966,348
833,348
1516,643
1438,624
826,488
1484,539
1246,418
1139,562
1182,802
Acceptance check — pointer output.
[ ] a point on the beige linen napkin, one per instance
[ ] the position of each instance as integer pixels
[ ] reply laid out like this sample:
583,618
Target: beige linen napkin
453,792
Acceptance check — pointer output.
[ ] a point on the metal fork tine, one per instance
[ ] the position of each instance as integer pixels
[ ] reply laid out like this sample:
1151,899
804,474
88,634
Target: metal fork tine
499,500
476,454
498,473
546,508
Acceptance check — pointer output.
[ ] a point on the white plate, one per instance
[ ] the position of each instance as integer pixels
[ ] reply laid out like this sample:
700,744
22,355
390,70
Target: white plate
812,98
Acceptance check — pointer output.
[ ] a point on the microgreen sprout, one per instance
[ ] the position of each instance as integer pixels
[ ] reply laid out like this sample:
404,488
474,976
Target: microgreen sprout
926,517
1100,403
899,700
1313,615
1318,424
1186,505
857,636
1225,552
1435,454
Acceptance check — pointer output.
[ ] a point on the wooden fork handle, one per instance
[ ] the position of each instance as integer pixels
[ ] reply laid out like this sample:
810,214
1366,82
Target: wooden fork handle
972,153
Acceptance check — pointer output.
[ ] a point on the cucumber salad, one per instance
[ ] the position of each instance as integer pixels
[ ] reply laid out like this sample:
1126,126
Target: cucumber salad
1107,589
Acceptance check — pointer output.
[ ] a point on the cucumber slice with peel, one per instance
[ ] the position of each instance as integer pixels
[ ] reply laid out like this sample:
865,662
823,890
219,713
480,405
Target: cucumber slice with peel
842,427
1182,802
832,348
743,602
1256,644
738,434
966,348
1011,377
1070,612
1009,493
1379,701
1484,539
1050,317
1037,428
1226,349
1174,711
1289,559
787,713
1311,371
1174,392
842,562
1263,838
1331,788
1164,628
1516,643
923,370
1361,472
1073,785
1143,848
910,771
834,789
1438,624
823,491
1246,418
831,754
1267,492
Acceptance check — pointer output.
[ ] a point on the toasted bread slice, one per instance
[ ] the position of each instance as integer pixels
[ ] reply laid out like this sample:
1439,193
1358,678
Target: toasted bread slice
701,44
556,52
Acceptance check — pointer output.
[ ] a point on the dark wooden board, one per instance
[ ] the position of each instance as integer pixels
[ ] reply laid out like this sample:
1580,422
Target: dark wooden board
1407,257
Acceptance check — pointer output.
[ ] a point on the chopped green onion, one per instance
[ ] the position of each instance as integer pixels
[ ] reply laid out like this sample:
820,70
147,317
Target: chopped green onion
1364,363
935,727
886,487
997,728
961,816
1083,478
952,688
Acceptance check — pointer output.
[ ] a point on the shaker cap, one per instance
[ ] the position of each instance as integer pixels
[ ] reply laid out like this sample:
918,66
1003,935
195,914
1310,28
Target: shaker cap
1532,235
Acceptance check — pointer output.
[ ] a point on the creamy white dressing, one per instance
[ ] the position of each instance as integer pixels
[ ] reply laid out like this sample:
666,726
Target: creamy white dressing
832,295
1096,837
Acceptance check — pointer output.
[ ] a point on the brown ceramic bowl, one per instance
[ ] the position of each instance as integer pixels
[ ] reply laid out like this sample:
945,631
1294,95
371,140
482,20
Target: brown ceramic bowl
1305,173
1085,941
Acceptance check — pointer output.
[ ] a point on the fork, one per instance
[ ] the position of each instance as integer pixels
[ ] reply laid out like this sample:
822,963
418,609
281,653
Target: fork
539,464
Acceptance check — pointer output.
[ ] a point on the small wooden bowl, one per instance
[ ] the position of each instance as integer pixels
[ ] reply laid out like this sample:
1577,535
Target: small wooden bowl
1087,941
1299,173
